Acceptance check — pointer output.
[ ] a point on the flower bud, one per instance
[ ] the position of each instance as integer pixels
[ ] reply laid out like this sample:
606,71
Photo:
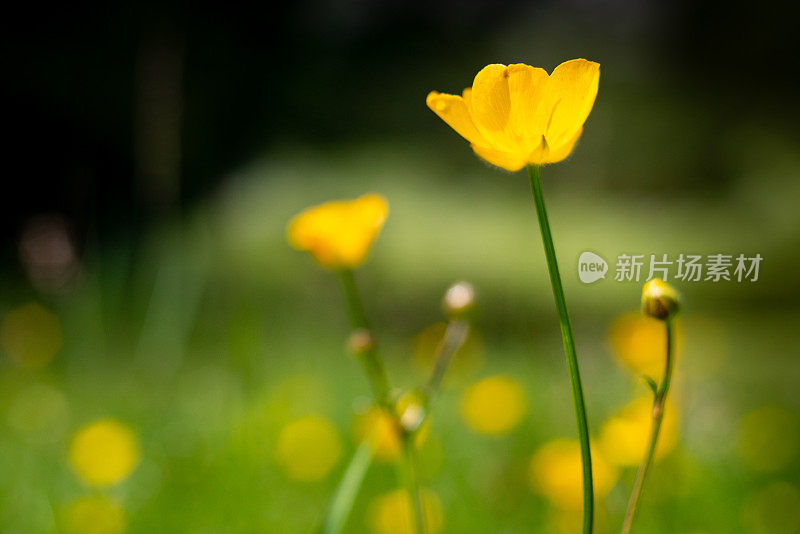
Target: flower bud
660,300
458,299
360,341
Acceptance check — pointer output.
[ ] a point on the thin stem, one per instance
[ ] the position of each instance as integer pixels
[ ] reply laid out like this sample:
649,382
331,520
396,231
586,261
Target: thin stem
534,173
454,336
659,405
412,485
370,358
376,372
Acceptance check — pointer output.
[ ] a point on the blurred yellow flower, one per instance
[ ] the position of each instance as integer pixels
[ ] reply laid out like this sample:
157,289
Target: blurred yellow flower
94,515
382,430
639,343
31,335
517,115
555,473
494,405
769,438
104,453
338,234
624,438
309,448
391,513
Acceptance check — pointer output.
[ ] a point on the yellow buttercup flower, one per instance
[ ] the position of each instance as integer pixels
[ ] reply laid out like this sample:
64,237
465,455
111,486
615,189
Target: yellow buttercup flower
555,473
104,453
624,438
391,513
338,234
309,448
517,115
494,405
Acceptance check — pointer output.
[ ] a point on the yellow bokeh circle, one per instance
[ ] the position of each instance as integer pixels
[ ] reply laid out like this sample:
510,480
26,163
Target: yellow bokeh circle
392,513
494,405
104,453
309,448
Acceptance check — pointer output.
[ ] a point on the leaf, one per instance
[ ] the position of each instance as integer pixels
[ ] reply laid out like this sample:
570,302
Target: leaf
652,383
347,490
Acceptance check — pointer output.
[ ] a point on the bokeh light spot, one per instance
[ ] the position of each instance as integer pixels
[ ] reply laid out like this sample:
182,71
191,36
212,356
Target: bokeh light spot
104,453
392,513
309,448
494,405
625,436
555,473
94,514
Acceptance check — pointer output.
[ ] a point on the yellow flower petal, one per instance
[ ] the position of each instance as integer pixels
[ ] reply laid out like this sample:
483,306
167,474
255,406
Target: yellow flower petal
518,115
547,154
510,161
490,106
453,110
571,91
339,234
528,117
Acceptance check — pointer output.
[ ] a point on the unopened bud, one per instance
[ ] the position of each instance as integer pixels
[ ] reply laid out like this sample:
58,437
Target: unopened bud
360,341
660,300
459,299
412,417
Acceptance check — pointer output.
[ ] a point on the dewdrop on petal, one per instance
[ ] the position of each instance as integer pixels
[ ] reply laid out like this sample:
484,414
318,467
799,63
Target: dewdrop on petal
660,300
458,299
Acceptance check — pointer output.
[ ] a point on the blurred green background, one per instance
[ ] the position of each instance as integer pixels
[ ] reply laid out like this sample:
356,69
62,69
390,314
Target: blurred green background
146,283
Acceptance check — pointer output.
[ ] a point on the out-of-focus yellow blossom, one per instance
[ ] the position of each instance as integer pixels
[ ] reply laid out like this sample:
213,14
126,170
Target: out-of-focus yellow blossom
94,515
517,114
624,438
309,448
769,438
494,405
466,361
338,234
639,343
104,453
381,428
555,473
31,335
391,513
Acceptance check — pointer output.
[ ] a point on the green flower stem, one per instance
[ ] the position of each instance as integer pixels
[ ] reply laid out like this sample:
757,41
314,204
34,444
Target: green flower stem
454,336
380,383
534,172
370,358
412,484
659,405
